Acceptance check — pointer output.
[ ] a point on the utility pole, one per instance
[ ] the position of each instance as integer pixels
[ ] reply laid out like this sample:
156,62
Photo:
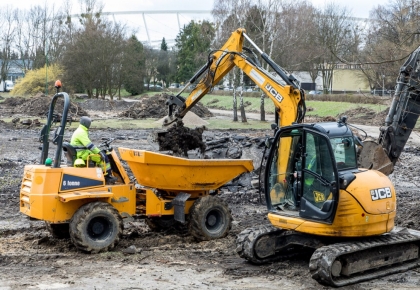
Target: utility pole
383,85
46,67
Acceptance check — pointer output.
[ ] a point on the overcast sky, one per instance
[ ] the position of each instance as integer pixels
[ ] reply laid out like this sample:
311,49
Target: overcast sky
167,25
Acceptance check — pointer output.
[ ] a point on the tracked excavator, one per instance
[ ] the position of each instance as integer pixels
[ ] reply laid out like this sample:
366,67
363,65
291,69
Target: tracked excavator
321,194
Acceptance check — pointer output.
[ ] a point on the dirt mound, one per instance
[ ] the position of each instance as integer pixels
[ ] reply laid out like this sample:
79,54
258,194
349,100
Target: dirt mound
105,105
39,106
365,116
14,101
155,107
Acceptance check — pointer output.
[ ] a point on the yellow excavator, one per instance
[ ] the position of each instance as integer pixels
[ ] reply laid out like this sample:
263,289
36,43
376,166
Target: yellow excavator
318,196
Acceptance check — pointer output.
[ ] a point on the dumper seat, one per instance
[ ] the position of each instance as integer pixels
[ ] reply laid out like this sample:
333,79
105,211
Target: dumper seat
70,153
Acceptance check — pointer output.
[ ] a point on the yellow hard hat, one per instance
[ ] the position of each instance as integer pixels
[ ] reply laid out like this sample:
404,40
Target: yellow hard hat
79,163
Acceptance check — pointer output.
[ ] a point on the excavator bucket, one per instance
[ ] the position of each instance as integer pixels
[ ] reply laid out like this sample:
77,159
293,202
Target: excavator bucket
374,157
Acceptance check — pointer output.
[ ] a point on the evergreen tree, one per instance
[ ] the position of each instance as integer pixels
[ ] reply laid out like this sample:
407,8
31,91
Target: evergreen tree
133,66
193,47
164,45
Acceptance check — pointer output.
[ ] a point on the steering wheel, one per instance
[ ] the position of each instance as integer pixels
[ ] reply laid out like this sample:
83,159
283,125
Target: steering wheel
106,143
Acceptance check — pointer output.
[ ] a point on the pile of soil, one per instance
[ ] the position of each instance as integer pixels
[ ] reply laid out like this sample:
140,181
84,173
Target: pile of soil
14,101
155,107
365,116
106,105
39,106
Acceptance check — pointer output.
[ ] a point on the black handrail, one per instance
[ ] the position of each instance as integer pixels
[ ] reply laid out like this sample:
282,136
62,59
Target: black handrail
45,132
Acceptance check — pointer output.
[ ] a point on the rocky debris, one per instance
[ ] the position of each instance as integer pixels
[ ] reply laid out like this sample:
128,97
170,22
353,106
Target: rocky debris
155,107
233,146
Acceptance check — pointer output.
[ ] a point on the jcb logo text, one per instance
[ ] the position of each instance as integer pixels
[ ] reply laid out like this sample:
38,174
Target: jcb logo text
381,193
274,92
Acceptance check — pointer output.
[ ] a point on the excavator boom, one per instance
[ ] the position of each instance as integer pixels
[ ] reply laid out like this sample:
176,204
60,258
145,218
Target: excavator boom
400,121
283,89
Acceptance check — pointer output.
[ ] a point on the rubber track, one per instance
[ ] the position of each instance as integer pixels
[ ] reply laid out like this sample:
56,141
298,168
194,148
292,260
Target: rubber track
245,243
323,258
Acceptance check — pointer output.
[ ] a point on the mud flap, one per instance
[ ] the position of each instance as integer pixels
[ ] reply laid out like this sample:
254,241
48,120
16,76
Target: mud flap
179,206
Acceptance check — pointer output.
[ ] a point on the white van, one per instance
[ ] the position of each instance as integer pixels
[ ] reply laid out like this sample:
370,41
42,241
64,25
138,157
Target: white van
6,86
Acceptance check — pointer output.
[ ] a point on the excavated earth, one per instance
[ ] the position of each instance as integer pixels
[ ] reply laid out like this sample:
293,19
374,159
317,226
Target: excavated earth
30,258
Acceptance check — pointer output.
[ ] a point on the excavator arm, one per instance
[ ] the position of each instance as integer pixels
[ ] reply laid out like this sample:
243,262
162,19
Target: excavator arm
400,121
282,89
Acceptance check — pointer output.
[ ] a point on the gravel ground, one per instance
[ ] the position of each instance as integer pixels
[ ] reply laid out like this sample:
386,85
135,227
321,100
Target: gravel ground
31,259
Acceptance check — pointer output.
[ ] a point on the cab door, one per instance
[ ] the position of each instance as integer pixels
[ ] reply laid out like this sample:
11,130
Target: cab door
319,190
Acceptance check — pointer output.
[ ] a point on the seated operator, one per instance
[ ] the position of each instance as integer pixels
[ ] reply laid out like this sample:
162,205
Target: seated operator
314,191
84,147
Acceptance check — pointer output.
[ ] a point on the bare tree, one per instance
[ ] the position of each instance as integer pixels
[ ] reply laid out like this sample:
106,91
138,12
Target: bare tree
229,16
390,39
93,60
334,33
7,27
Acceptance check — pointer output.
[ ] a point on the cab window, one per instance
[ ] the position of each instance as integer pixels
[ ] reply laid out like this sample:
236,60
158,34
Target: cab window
344,152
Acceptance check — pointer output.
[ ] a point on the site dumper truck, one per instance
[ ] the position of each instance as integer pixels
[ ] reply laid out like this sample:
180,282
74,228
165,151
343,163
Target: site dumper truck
76,202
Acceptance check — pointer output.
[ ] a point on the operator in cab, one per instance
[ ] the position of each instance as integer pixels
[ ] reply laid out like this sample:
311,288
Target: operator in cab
84,147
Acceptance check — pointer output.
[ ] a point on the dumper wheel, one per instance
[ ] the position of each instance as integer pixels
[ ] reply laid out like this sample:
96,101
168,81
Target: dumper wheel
58,231
210,218
96,227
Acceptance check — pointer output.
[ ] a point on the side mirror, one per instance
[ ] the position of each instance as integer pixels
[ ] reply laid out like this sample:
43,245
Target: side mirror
274,126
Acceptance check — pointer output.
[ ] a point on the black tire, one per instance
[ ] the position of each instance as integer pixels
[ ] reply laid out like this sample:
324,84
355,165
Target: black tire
58,231
159,224
210,218
96,227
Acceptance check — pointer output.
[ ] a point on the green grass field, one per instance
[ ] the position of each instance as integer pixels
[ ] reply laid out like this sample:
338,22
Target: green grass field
319,108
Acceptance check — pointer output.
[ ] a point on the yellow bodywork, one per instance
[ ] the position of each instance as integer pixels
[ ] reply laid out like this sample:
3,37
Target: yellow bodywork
41,197
286,98
179,174
357,214
45,192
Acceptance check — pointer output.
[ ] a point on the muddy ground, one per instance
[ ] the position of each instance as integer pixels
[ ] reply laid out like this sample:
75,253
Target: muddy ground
31,259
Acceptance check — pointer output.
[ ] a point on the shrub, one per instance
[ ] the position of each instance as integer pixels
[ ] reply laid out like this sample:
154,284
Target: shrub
34,81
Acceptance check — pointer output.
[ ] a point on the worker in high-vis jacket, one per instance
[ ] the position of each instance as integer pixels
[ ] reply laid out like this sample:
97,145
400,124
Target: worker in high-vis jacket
84,147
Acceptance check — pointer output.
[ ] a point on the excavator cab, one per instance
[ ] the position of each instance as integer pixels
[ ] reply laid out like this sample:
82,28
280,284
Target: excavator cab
304,168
